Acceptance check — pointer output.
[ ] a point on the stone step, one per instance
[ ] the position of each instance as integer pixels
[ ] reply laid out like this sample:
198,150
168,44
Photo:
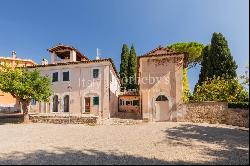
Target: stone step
64,120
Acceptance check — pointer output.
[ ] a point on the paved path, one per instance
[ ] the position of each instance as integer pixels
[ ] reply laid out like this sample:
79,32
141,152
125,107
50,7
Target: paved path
151,143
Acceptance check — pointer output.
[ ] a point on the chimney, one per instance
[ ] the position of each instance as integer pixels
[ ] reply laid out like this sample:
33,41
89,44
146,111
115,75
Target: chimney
45,62
97,54
13,54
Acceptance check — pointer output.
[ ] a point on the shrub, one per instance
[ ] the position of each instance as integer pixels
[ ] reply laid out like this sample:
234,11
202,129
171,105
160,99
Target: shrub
241,105
220,89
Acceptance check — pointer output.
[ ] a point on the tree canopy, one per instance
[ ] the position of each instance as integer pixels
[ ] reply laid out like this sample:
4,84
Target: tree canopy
25,85
220,62
193,51
124,65
221,89
204,65
132,68
245,77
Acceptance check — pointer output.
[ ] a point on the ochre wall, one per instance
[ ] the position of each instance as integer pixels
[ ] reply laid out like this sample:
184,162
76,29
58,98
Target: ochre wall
6,99
167,73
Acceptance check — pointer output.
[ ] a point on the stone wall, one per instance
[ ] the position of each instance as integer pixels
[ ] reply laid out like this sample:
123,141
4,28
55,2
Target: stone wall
12,109
127,115
11,118
63,119
216,112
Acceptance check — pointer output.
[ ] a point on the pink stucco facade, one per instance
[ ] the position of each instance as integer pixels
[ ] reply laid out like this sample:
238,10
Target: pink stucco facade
158,98
160,84
88,94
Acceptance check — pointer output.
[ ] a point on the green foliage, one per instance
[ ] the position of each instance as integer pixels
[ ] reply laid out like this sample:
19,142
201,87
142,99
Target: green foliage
132,69
220,62
241,105
204,65
220,89
186,92
245,77
124,65
25,85
193,51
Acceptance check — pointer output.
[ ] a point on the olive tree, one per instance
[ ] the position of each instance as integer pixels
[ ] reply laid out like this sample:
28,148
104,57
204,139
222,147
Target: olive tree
25,85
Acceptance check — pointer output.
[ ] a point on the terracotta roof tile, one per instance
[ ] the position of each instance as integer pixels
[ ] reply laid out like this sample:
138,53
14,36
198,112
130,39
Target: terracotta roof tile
160,51
61,46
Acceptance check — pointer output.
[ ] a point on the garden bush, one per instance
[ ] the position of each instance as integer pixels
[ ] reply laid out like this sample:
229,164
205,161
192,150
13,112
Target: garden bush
241,105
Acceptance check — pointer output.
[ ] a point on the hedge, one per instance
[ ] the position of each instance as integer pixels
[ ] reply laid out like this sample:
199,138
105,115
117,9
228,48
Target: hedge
241,105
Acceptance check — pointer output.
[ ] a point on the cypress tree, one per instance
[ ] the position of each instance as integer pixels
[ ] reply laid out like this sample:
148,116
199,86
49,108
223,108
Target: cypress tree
204,65
132,68
124,65
220,61
217,60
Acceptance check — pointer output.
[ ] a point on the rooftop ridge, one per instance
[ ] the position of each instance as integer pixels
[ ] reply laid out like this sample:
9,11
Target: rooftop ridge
57,47
168,52
79,62
17,59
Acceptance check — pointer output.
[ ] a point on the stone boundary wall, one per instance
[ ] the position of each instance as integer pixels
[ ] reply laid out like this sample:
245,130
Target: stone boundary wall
10,118
9,109
216,112
63,120
127,115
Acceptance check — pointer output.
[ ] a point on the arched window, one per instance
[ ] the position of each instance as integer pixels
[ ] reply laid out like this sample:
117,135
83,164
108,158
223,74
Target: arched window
66,103
161,98
55,103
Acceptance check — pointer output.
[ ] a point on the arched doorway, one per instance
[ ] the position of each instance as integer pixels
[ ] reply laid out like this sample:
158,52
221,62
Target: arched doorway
55,103
66,103
162,112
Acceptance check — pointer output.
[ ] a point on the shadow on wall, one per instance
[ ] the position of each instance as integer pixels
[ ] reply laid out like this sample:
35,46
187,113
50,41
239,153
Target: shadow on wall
234,143
67,156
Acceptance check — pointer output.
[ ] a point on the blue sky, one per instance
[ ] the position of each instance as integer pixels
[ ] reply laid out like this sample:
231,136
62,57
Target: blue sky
30,27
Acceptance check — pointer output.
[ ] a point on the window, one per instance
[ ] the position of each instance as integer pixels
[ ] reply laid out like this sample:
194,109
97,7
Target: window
66,76
96,100
33,102
121,103
55,77
161,98
135,102
55,103
95,73
128,102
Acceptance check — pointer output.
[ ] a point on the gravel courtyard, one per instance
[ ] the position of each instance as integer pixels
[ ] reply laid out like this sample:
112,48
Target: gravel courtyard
150,143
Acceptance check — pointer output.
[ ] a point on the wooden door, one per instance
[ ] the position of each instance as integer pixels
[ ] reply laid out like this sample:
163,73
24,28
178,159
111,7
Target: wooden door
87,104
162,109
66,103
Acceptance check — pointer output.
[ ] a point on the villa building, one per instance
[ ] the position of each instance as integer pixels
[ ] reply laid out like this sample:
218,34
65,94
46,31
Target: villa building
7,101
80,86
84,87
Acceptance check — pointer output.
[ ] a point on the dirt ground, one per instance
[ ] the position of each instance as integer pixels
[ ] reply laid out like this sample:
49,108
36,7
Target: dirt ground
149,143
